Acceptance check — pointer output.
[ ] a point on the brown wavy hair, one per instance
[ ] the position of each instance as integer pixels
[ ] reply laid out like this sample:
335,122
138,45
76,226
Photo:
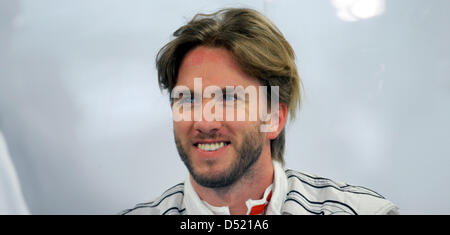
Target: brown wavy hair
256,44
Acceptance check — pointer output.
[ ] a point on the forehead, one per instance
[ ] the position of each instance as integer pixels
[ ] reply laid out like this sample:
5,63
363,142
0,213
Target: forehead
216,66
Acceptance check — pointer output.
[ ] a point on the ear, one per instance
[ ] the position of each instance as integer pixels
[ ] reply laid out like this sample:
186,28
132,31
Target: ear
281,115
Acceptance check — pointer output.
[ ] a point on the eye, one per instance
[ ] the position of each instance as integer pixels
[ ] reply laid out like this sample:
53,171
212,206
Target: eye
186,100
229,97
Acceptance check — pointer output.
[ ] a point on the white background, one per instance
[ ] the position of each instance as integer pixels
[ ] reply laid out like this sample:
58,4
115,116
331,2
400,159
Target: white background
89,131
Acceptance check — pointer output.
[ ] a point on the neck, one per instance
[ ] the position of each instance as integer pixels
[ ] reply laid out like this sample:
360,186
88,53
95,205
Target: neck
251,186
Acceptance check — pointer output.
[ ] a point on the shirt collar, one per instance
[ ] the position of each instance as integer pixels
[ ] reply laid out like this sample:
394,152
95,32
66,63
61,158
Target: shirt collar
277,191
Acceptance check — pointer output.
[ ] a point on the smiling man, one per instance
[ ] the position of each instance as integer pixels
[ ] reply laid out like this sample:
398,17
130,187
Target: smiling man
233,83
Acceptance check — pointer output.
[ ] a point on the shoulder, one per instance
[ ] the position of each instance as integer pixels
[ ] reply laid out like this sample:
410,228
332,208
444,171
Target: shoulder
312,194
170,202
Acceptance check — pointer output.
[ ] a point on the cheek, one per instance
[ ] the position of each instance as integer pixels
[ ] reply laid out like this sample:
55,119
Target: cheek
243,129
181,129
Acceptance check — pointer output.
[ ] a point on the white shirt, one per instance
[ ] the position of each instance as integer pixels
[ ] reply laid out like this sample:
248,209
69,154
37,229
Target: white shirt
293,193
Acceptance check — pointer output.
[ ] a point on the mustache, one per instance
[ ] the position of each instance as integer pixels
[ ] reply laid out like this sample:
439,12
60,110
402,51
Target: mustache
213,136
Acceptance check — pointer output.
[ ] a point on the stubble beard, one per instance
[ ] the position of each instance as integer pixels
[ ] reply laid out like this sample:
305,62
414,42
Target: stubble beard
248,154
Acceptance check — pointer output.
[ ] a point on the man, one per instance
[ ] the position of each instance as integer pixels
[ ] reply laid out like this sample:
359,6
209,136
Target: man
224,71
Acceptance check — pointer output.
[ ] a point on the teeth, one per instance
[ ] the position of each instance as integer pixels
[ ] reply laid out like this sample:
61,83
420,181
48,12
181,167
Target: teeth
212,146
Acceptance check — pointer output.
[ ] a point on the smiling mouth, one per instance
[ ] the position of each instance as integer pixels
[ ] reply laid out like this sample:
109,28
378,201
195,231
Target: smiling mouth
212,146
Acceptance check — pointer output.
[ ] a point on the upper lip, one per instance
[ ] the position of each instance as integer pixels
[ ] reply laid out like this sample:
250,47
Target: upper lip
209,141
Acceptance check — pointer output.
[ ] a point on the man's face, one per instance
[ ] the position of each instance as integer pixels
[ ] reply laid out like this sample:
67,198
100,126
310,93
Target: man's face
217,153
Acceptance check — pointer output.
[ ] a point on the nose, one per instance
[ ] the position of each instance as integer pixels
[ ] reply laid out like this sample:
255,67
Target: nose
208,124
207,127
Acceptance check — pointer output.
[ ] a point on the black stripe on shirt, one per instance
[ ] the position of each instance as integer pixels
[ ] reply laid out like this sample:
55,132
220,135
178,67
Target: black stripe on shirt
304,207
151,206
324,202
340,188
326,179
162,195
173,187
174,208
